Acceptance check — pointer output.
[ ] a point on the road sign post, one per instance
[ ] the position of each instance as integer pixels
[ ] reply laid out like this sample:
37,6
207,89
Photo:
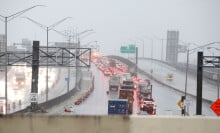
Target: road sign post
180,103
34,97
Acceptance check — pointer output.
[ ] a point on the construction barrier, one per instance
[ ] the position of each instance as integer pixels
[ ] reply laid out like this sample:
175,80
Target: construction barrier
85,95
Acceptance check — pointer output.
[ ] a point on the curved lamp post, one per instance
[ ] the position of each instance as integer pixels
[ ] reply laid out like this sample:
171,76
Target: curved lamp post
218,76
6,19
78,43
47,29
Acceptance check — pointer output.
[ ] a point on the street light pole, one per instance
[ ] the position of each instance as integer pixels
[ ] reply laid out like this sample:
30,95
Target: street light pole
87,44
142,40
68,82
218,74
76,51
152,48
6,20
162,46
47,28
187,66
6,68
69,36
47,67
162,50
218,79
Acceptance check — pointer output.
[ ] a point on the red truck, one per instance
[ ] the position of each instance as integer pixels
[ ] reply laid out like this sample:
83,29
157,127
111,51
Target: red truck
126,91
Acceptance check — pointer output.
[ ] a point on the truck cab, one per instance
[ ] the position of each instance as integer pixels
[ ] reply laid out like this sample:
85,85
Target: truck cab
114,83
149,106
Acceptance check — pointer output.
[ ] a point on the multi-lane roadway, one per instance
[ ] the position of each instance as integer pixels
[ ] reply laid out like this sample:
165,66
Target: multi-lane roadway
166,100
19,95
97,103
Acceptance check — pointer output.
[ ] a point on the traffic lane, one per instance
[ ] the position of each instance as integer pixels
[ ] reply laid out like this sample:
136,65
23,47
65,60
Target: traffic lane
68,106
21,96
160,71
167,99
97,102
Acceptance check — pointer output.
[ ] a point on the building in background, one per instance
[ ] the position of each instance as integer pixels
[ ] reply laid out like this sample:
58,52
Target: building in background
172,46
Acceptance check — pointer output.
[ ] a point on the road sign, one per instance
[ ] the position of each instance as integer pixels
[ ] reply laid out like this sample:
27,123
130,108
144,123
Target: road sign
216,107
124,49
128,49
67,79
180,104
33,97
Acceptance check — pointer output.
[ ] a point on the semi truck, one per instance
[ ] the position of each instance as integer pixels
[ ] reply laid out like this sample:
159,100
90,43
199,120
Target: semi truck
114,83
144,91
116,106
126,91
124,77
146,100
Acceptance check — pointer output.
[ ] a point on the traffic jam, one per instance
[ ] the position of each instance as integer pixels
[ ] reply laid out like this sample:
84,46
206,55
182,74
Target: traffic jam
125,89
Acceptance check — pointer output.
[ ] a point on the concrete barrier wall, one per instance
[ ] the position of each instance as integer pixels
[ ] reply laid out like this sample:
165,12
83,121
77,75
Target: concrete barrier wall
108,124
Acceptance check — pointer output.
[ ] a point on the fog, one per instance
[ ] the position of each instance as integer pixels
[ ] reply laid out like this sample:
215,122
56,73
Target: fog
118,22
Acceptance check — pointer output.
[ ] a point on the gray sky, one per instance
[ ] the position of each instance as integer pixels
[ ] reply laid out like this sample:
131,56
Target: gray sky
117,21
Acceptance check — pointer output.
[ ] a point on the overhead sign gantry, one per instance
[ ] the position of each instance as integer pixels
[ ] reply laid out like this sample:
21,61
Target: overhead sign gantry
56,56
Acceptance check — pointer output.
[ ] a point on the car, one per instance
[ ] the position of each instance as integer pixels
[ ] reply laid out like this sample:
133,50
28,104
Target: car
170,76
107,73
68,109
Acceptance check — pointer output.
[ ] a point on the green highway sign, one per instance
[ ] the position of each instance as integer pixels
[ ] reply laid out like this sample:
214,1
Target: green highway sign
124,49
128,49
